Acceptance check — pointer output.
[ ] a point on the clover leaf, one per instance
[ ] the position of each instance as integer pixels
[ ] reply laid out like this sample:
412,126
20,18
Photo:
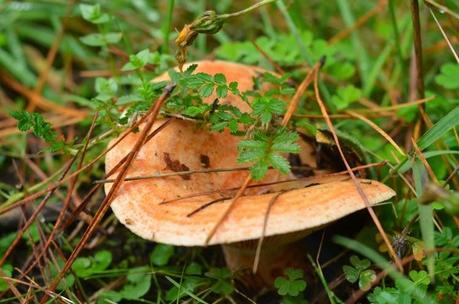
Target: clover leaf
292,284
449,76
359,272
161,254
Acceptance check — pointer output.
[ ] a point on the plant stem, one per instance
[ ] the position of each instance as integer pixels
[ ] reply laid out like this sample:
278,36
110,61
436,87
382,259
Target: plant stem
417,48
247,10
303,48
393,19
166,28
362,56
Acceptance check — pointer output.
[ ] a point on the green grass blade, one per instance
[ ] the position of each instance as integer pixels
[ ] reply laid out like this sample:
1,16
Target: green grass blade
185,291
425,215
166,28
376,70
445,124
362,55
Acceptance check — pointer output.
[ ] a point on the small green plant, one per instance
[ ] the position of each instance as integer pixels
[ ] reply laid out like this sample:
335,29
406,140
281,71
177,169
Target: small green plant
40,127
292,284
87,266
359,272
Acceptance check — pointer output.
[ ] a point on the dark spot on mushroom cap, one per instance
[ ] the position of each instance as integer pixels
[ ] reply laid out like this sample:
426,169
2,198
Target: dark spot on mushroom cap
128,221
176,166
205,161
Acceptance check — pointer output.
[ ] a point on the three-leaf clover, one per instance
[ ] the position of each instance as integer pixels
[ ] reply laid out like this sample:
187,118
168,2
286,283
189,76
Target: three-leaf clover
292,284
359,272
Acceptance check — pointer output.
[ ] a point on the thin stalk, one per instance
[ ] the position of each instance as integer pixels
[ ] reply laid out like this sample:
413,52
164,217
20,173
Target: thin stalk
247,10
362,56
417,49
166,28
393,19
304,52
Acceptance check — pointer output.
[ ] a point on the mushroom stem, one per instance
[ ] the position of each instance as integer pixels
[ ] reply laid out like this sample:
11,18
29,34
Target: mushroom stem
275,256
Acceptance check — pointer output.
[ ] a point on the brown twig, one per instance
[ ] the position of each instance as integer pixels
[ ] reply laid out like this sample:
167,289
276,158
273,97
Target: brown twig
39,100
178,173
66,204
352,175
379,130
357,168
77,172
150,120
256,260
94,189
34,215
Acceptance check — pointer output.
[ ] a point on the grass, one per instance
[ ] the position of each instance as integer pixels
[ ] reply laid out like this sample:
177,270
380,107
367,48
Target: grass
73,78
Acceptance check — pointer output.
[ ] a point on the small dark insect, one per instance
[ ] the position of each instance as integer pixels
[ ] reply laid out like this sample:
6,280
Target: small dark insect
401,244
176,166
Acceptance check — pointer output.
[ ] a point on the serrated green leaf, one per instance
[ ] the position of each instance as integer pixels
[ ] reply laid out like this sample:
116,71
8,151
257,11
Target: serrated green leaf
206,90
279,163
258,171
222,91
220,78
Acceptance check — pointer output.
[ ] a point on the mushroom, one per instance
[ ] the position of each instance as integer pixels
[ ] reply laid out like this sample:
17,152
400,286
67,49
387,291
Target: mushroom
183,209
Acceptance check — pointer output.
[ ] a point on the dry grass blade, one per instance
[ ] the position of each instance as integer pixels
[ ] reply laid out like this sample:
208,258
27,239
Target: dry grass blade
445,36
379,130
442,8
94,189
150,119
351,173
66,204
34,215
357,168
424,162
11,286
229,208
77,172
299,92
179,173
256,261
39,100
